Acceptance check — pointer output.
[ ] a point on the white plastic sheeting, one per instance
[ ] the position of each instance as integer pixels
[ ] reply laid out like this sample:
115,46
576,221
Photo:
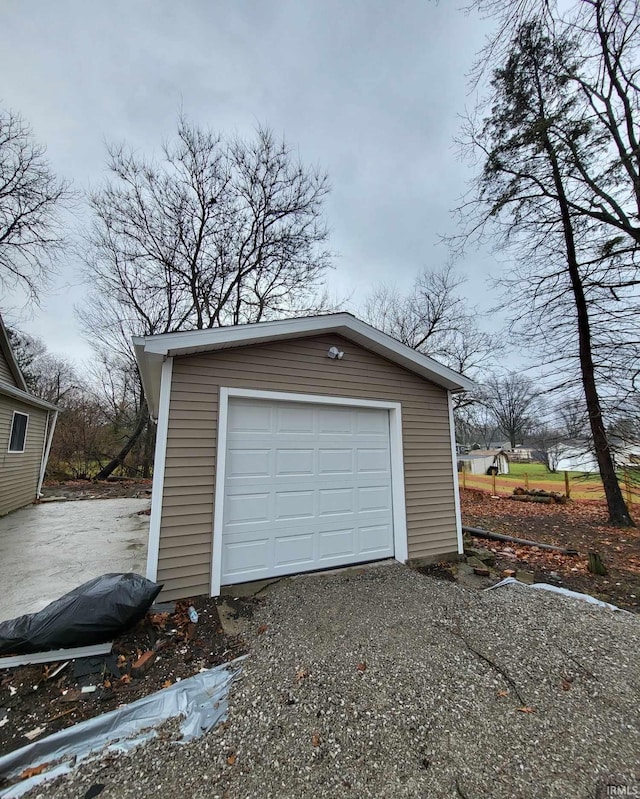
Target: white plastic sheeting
556,590
201,700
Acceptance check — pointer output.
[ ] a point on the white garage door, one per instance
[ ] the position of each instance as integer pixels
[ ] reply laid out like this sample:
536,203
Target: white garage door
306,487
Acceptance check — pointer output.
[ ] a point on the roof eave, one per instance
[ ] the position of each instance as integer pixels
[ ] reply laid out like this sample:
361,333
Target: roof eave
24,396
151,351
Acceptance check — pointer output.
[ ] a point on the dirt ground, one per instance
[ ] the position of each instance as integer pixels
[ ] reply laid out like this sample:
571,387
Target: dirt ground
35,697
580,525
97,489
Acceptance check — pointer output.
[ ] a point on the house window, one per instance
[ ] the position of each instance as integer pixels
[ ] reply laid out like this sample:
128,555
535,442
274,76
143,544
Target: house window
18,432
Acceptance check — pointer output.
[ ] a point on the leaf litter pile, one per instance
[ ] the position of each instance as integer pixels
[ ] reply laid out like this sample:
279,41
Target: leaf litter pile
164,648
579,525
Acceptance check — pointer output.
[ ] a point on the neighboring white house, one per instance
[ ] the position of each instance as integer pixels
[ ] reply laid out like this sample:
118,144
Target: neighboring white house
484,461
576,456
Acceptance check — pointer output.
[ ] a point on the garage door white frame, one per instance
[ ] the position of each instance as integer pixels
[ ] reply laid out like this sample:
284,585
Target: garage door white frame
396,451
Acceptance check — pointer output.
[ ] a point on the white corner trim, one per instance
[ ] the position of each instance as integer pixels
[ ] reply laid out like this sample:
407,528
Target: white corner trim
400,533
400,542
454,461
157,488
46,448
218,501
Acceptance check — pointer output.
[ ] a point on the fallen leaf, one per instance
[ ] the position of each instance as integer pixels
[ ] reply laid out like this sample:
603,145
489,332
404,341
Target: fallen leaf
166,683
159,619
301,674
125,679
263,629
33,771
121,660
107,683
526,709
566,684
502,693
315,739
361,666
231,759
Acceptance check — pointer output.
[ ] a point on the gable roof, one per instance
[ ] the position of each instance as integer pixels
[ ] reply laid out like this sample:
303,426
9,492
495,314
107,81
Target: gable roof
483,453
5,349
151,351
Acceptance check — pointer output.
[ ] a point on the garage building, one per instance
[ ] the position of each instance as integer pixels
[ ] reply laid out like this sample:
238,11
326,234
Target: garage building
296,445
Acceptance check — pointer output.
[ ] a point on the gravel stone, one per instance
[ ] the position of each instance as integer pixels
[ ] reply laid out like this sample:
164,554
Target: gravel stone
387,683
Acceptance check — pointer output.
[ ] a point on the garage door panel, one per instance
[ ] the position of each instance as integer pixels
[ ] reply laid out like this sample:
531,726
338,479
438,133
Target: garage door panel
248,463
336,544
374,498
294,418
335,421
243,508
370,422
307,487
374,539
294,461
335,500
250,417
374,461
294,550
335,461
294,505
246,557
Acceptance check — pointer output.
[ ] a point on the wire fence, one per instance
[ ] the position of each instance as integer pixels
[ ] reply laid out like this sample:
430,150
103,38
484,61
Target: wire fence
575,486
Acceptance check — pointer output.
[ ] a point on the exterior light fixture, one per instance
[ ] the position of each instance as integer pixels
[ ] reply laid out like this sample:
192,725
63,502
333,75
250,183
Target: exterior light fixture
334,352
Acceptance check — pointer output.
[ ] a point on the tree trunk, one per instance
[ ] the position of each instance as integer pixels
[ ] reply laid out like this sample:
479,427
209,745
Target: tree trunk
120,457
618,511
149,441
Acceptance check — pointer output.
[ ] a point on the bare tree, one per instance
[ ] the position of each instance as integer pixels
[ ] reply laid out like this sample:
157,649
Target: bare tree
217,232
546,445
434,318
475,424
31,198
82,435
118,389
574,419
512,399
47,376
424,318
556,189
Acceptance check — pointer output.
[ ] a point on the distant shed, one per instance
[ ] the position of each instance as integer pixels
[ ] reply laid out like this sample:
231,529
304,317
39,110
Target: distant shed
484,461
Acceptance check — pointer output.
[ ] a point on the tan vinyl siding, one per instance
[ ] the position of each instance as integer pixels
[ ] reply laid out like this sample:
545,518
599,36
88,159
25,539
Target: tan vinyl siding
19,471
299,365
6,375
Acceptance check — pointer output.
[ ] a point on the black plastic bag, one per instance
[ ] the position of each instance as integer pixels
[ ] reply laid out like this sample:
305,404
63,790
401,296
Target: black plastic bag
93,613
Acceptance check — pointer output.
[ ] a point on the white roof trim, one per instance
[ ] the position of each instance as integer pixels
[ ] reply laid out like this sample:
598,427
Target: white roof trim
152,350
15,393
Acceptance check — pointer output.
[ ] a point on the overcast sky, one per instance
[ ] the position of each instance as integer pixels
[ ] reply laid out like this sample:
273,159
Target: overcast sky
372,91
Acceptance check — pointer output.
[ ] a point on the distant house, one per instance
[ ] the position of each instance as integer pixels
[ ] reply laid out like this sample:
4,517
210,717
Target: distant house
574,456
577,455
484,461
26,429
521,454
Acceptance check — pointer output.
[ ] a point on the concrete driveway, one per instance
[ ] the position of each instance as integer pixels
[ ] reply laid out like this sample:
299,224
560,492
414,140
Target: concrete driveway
48,549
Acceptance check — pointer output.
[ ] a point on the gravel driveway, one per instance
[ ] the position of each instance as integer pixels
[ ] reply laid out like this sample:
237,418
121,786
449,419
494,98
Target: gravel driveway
385,683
